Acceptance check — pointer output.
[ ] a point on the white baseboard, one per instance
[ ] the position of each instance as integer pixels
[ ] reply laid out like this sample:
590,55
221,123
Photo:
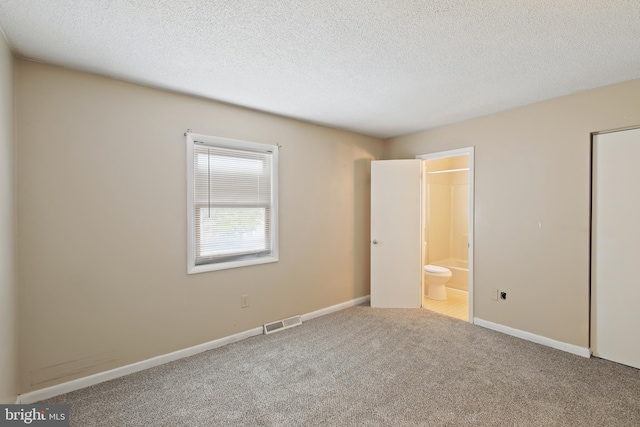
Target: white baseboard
334,308
73,385
559,345
100,377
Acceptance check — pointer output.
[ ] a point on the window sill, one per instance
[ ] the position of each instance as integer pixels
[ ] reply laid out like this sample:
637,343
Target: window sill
195,269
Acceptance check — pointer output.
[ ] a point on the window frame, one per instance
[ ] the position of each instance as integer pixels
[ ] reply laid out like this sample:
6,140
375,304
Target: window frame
192,140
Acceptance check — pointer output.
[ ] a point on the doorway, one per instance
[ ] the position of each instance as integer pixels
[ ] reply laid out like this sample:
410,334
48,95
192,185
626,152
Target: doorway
447,228
397,230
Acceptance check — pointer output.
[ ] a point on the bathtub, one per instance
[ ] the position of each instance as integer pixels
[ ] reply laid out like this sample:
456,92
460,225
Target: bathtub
459,272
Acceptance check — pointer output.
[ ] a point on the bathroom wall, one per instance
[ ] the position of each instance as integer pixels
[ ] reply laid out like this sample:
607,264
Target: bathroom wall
447,209
532,204
438,211
102,208
460,215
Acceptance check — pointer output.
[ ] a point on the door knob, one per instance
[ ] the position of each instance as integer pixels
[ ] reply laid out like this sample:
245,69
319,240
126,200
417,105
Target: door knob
375,241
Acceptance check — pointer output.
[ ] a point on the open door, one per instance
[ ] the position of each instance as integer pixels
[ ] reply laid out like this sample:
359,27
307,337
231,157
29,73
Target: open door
396,242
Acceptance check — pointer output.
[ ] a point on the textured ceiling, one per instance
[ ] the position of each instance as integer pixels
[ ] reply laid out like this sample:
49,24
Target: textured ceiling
378,67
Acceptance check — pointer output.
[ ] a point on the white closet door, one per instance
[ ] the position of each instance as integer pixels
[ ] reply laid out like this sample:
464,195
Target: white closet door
396,251
615,264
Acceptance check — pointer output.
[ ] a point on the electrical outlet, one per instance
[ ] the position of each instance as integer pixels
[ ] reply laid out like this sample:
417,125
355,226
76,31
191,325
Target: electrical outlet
244,301
503,295
493,295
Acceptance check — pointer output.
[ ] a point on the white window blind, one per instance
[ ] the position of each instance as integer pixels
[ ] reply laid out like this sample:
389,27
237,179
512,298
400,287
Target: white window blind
233,213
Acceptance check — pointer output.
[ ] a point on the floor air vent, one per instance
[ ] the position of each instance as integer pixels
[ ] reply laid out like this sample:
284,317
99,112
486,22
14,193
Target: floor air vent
279,325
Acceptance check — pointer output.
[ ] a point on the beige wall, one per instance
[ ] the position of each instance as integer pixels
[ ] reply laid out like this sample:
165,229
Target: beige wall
8,281
102,207
532,172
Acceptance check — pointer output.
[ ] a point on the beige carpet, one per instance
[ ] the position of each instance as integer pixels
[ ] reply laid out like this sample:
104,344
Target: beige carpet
370,367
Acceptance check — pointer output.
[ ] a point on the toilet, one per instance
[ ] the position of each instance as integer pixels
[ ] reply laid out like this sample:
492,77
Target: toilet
434,279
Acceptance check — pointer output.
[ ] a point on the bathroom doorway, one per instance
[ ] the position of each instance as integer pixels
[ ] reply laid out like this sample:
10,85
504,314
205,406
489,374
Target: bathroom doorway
447,231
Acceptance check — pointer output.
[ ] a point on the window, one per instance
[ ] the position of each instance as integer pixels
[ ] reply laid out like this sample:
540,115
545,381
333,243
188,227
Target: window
232,189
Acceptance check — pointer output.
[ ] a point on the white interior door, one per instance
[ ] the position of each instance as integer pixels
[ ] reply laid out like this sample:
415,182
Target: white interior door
396,265
615,250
